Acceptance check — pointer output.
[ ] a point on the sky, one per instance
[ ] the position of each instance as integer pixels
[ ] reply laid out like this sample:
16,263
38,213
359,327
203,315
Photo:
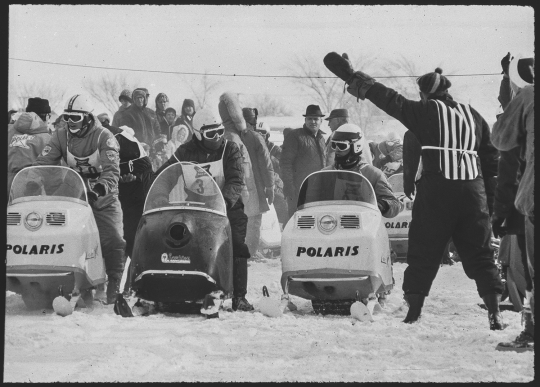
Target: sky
261,40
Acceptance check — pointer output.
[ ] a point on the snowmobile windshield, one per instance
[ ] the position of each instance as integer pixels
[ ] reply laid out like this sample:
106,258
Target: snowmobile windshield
336,187
47,183
396,182
185,186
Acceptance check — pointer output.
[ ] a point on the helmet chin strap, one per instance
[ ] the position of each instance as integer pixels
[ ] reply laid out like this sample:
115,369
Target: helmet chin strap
348,161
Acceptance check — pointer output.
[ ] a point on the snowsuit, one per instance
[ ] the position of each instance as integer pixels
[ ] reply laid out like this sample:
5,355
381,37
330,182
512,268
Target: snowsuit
263,172
388,159
117,117
95,158
515,129
193,151
143,121
132,194
302,153
451,198
377,179
26,139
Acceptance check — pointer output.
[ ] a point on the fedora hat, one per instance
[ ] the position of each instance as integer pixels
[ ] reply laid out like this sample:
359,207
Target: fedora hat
313,110
336,113
519,71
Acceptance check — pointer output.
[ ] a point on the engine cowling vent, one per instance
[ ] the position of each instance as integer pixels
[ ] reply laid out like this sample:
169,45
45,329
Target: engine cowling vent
56,219
13,218
349,221
306,222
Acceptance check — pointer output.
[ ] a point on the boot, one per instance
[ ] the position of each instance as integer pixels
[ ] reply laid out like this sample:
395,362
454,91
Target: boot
525,340
241,304
113,288
415,302
494,314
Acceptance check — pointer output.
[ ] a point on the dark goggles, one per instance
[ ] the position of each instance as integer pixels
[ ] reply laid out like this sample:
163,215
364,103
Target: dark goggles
340,145
73,117
213,134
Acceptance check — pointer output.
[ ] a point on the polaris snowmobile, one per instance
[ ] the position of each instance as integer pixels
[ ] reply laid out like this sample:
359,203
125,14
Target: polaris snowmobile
398,226
52,238
335,249
182,256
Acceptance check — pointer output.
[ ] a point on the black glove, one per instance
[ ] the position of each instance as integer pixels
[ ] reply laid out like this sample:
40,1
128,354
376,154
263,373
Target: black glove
496,225
340,65
383,206
269,193
505,63
99,189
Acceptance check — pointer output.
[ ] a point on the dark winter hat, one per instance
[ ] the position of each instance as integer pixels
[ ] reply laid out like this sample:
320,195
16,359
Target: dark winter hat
140,91
125,94
313,110
250,115
38,106
434,82
162,95
188,102
337,113
170,109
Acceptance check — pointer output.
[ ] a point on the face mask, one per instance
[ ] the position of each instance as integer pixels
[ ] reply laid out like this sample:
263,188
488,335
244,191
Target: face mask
212,144
74,130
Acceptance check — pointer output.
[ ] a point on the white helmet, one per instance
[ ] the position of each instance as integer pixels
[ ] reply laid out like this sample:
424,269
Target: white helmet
263,126
349,138
79,103
205,119
351,133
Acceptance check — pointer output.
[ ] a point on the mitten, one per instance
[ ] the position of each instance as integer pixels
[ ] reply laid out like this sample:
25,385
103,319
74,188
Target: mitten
340,65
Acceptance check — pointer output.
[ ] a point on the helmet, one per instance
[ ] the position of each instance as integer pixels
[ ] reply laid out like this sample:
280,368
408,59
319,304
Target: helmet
351,134
203,119
125,94
80,104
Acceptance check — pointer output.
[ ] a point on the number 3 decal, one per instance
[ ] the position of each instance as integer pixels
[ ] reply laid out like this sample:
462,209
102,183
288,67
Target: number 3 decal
200,190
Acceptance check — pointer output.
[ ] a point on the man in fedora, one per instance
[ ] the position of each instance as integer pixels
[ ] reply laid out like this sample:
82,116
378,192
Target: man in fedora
303,152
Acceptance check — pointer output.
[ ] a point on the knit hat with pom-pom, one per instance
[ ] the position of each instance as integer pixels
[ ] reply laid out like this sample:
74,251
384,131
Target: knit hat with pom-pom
434,82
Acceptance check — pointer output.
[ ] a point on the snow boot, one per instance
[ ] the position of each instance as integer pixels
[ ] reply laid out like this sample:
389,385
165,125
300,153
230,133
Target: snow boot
241,304
415,302
494,314
525,340
113,288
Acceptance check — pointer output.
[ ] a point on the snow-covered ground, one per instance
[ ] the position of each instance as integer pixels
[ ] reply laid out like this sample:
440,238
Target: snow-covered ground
451,343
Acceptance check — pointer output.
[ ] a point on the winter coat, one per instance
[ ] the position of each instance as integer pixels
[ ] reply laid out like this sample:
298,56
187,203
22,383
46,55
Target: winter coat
422,118
173,143
26,139
118,115
97,138
188,122
143,121
234,123
302,153
383,190
388,159
515,128
411,159
193,151
263,170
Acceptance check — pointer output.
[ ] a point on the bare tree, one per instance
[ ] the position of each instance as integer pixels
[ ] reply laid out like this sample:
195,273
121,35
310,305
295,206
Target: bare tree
267,105
20,92
106,89
201,88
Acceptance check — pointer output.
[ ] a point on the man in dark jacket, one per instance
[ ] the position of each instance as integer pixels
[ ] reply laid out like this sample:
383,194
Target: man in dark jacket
513,135
224,163
162,103
451,199
186,116
125,101
303,152
141,119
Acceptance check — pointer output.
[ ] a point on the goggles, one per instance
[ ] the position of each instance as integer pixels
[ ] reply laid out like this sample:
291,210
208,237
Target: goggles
73,117
340,145
213,134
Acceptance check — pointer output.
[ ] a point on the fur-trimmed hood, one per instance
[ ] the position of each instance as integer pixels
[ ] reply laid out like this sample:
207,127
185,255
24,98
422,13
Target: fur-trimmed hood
231,113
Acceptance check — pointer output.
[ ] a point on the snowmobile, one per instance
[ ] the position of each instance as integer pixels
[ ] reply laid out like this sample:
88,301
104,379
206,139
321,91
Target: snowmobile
270,241
182,256
335,249
398,227
52,237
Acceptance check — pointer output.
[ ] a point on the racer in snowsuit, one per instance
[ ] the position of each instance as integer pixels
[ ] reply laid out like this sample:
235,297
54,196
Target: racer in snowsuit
350,137
92,151
388,155
457,155
223,160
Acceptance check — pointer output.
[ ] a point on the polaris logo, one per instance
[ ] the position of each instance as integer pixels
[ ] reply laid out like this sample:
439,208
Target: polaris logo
397,224
37,249
328,252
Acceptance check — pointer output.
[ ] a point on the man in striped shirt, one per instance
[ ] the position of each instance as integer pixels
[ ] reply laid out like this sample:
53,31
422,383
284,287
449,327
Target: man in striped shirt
457,156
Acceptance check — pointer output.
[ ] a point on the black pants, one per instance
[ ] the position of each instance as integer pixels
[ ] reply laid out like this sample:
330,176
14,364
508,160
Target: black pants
238,221
445,209
132,199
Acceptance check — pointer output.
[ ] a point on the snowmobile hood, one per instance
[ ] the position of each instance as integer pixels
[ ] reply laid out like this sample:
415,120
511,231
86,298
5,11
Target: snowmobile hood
30,123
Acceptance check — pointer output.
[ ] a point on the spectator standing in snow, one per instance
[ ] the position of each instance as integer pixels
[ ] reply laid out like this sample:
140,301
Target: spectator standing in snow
179,136
125,101
162,103
513,135
27,137
170,118
186,116
303,152
451,198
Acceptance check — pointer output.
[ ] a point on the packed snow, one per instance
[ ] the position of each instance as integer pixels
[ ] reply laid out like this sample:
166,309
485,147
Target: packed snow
450,343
